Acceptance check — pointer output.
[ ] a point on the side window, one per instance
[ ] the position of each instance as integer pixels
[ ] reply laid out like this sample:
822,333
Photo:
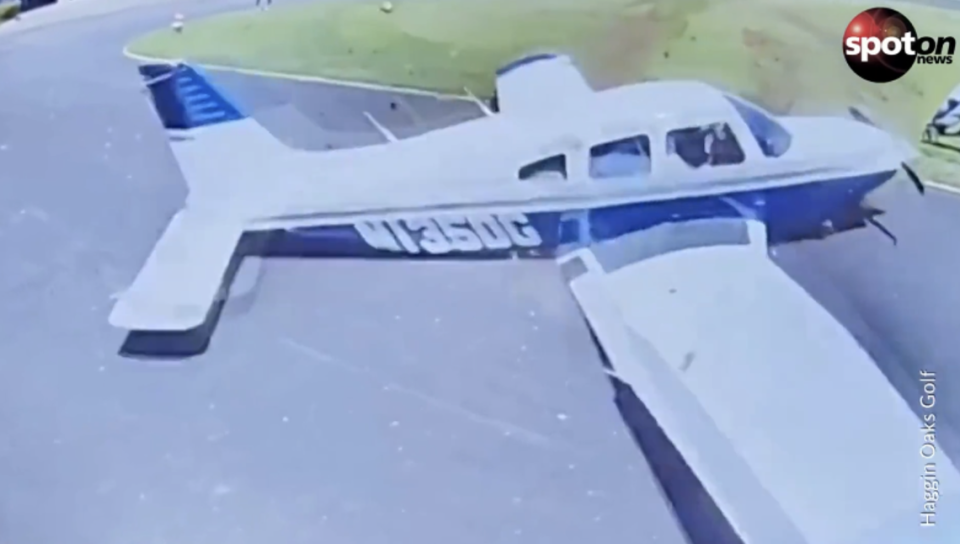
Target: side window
621,158
713,145
551,167
773,139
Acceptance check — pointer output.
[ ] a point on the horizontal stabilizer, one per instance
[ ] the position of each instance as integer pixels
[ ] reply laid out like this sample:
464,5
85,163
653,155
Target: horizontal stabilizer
183,277
184,98
225,155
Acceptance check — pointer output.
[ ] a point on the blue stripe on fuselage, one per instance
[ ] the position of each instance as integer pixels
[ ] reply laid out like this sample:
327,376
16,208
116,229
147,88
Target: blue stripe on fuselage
789,212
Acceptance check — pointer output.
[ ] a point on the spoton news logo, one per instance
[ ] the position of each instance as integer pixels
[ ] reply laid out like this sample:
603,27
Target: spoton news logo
881,45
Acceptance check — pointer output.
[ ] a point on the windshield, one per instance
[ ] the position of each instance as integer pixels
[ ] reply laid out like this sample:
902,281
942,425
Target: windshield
276,272
774,140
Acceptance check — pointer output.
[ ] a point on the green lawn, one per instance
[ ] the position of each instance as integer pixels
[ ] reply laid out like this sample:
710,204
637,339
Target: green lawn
786,55
9,11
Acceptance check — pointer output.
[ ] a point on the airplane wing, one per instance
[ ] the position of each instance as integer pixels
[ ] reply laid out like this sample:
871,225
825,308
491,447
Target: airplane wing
768,399
539,83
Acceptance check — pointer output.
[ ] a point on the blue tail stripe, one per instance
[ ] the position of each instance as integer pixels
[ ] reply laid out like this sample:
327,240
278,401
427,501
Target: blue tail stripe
185,98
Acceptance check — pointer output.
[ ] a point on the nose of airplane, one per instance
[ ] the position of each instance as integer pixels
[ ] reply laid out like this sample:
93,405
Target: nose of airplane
821,136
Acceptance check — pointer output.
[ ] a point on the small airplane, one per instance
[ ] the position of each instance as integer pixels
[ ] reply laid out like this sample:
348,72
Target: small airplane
559,166
659,202
946,121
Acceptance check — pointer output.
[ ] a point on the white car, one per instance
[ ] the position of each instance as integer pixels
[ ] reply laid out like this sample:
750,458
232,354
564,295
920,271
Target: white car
946,121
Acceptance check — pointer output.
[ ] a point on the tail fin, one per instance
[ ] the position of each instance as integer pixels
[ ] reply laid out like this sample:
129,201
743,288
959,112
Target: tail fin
185,99
205,128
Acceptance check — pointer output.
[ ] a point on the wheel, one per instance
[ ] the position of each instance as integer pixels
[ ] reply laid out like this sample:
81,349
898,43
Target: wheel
495,103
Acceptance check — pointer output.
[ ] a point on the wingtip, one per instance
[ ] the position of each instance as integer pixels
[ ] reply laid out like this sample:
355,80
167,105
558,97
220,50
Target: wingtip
137,315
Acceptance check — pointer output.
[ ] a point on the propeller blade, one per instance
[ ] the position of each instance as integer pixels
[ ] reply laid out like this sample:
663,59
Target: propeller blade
917,182
883,229
862,117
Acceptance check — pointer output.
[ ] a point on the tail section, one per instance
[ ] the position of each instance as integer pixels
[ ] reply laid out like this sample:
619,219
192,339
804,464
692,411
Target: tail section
225,155
229,161
185,99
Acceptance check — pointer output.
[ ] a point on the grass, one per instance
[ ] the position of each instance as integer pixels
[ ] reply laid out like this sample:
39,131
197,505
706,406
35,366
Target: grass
9,11
786,55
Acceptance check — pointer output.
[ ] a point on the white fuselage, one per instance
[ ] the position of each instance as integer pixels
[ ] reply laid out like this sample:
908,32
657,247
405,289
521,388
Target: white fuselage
478,162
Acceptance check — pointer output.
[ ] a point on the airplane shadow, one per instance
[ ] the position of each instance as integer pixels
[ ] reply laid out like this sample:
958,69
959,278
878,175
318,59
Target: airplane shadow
153,345
179,345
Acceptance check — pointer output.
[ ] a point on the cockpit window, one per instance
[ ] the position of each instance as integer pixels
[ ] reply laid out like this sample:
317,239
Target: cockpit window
621,158
713,145
773,139
551,167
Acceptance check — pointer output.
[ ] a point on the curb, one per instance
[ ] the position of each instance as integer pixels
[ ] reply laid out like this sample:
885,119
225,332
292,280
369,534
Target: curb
943,187
306,79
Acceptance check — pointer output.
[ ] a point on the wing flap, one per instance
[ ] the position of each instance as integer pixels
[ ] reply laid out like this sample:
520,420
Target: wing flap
183,276
751,510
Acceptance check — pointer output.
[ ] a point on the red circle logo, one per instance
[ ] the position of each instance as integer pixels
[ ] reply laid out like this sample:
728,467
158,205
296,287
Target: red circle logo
880,44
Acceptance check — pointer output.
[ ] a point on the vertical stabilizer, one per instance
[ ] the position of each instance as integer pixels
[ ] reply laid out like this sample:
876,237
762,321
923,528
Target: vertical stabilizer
184,98
225,155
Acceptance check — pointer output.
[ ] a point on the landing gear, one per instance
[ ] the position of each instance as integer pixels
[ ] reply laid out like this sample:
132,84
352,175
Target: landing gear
495,103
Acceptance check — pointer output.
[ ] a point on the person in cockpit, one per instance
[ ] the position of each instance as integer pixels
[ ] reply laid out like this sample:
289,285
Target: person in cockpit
723,147
711,144
691,146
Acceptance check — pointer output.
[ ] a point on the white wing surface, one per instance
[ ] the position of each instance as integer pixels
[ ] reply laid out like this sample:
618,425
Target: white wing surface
539,84
784,418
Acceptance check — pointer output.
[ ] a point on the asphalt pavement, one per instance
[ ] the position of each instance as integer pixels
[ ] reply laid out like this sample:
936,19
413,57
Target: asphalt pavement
352,401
